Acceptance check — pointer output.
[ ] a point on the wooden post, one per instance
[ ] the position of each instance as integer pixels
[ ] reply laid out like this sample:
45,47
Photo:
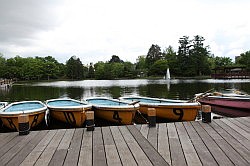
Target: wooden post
23,124
90,120
151,117
206,113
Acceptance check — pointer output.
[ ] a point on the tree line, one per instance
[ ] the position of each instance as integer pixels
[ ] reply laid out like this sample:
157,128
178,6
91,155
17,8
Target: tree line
192,58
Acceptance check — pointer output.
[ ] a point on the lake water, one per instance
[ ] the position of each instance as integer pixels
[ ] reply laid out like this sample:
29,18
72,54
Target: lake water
173,89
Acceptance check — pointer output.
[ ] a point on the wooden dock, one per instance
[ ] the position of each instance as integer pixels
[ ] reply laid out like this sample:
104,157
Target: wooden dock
222,142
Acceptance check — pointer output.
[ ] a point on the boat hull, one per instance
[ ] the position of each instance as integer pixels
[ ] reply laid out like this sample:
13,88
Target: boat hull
120,116
238,103
11,121
72,116
174,110
173,113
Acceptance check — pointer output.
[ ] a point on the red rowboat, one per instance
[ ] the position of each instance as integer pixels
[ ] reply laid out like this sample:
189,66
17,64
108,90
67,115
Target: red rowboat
238,102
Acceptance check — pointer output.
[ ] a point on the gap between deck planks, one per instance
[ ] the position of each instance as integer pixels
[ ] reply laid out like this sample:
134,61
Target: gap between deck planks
222,142
115,145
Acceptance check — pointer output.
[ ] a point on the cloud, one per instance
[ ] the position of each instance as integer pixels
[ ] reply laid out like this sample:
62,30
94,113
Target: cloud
96,30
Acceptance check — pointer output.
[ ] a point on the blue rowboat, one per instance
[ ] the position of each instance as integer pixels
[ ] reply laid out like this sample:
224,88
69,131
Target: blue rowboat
113,110
35,110
68,110
174,110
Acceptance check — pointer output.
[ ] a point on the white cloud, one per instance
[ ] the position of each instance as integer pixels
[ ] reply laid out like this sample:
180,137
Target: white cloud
95,30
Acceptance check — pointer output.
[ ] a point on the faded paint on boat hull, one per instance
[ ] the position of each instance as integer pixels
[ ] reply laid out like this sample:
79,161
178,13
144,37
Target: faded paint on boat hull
175,113
75,117
11,121
120,116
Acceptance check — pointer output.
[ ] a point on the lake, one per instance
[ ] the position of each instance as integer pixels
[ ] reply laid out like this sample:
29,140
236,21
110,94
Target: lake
174,89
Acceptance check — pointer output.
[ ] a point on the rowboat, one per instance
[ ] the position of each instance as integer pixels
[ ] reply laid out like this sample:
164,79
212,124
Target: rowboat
3,104
174,110
68,110
229,104
35,110
113,110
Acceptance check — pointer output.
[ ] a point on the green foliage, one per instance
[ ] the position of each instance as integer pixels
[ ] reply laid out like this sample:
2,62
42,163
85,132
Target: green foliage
244,60
192,57
31,68
153,55
170,55
115,59
222,61
159,68
91,71
74,68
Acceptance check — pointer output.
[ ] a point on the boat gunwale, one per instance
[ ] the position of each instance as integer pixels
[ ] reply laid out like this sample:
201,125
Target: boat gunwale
3,105
172,101
230,97
43,109
84,104
135,106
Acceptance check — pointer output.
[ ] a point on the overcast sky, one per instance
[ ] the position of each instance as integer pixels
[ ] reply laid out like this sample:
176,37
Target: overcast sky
94,30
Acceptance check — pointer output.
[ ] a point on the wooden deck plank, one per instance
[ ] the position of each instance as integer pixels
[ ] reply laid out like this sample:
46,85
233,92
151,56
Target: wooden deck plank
122,148
49,151
62,149
74,148
37,151
144,130
86,156
10,143
21,155
138,126
233,155
151,152
3,135
7,138
17,147
221,142
99,158
111,152
140,157
243,120
237,128
163,143
187,146
153,135
244,141
232,141
201,149
239,124
177,155
217,153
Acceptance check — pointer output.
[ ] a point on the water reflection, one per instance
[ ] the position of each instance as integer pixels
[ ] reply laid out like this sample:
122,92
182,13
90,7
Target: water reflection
174,89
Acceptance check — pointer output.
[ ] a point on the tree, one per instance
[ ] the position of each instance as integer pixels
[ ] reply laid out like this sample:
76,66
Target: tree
115,59
170,55
183,56
154,54
129,70
2,65
222,61
74,68
244,59
199,56
91,71
159,68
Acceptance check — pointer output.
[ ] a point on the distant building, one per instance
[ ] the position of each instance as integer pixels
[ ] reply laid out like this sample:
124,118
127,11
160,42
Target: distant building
230,73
